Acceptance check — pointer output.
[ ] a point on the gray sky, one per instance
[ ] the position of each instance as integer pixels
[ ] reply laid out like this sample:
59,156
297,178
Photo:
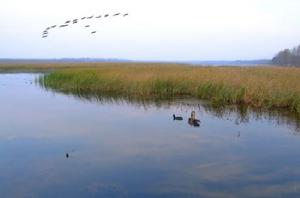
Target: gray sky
155,29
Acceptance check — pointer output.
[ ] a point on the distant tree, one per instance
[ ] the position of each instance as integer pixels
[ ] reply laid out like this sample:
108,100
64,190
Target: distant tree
288,57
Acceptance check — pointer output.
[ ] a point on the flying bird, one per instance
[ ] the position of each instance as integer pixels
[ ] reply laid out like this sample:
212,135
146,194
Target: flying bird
74,21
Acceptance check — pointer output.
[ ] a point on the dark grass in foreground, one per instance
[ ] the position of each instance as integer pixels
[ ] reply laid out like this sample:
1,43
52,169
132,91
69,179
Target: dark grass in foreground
266,87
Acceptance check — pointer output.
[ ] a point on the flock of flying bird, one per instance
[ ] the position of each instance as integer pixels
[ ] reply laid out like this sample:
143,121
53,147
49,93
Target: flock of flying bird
75,21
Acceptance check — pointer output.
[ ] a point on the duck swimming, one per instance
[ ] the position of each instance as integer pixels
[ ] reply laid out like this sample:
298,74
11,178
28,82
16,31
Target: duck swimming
177,117
193,121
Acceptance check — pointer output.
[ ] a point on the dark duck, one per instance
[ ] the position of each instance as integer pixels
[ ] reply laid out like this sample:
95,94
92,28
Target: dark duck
177,117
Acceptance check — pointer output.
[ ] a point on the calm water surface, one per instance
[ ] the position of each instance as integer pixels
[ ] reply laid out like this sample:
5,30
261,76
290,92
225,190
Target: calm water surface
120,148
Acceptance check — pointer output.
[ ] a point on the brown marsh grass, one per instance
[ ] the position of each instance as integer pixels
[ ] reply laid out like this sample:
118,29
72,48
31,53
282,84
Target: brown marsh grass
267,87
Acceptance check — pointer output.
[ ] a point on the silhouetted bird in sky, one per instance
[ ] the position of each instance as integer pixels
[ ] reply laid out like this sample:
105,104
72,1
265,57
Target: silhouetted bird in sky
67,155
74,21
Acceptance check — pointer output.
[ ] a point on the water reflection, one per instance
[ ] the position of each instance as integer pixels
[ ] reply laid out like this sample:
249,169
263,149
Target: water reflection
238,113
121,147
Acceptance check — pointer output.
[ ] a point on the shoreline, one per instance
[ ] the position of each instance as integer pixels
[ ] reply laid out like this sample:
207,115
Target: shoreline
259,87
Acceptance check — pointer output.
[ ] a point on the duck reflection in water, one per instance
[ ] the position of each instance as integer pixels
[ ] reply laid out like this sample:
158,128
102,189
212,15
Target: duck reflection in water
193,121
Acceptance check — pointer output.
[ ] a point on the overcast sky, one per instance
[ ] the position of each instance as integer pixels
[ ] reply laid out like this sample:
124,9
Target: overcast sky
154,30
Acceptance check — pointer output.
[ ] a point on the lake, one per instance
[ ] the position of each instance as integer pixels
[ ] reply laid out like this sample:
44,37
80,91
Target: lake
58,145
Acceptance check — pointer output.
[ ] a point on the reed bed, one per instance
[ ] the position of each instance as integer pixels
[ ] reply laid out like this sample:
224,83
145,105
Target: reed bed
267,87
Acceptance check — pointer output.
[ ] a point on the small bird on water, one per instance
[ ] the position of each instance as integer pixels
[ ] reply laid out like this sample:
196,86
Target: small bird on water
193,121
177,117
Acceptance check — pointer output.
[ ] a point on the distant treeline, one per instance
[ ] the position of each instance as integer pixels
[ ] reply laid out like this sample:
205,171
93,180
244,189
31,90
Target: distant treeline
289,57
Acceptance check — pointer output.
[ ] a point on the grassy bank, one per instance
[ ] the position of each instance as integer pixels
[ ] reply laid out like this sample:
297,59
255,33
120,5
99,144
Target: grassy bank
268,87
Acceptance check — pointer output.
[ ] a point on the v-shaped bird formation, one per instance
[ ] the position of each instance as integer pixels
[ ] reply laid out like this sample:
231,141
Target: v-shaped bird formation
68,23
